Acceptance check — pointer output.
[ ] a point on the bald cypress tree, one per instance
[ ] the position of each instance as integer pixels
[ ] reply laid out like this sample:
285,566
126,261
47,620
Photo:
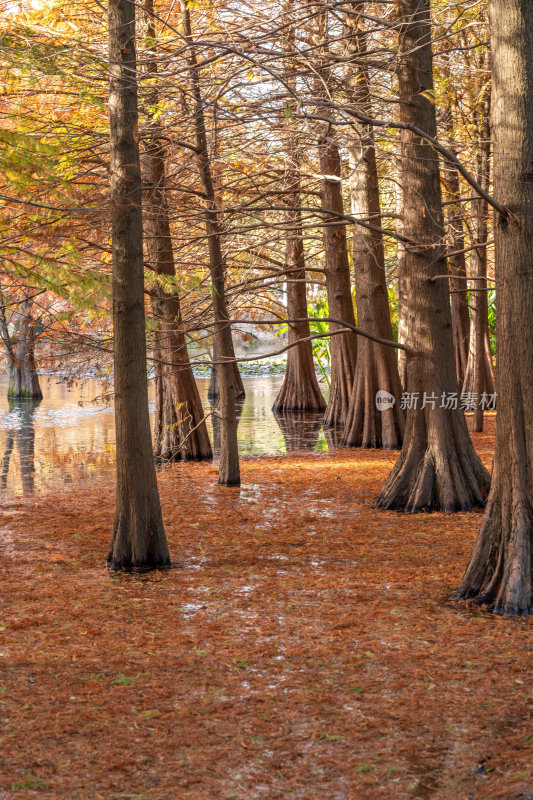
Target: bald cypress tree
138,541
500,569
438,467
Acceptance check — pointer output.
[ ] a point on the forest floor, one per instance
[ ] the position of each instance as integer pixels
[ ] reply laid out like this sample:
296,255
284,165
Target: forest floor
308,646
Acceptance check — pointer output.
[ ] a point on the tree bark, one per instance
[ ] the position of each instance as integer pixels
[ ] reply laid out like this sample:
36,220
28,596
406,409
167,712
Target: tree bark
19,346
343,347
180,431
479,374
438,467
138,542
403,333
300,390
229,472
457,272
377,366
213,392
338,286
500,568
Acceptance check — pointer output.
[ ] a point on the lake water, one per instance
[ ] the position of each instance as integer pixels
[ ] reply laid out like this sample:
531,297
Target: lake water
69,437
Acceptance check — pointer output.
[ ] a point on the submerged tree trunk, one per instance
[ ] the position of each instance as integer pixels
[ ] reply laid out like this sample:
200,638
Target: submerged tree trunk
19,346
300,390
180,431
479,374
438,467
229,471
500,568
138,541
368,424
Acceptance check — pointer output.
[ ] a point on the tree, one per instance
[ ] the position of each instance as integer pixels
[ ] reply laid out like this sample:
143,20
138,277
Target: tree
457,270
479,373
336,263
300,390
377,366
438,467
139,542
499,572
19,346
180,431
455,223
226,368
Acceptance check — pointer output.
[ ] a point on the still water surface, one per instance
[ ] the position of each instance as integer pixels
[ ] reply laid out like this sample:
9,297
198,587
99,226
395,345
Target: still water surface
69,437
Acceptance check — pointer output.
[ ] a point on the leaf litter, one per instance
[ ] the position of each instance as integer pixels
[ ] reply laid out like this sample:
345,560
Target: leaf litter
307,646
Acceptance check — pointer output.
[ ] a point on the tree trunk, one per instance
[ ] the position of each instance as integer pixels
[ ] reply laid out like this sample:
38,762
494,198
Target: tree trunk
19,345
343,347
180,431
377,366
479,374
438,467
457,272
138,541
300,390
337,272
229,472
403,333
500,569
213,392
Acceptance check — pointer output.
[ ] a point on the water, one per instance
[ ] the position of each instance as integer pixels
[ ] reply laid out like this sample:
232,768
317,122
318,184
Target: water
69,437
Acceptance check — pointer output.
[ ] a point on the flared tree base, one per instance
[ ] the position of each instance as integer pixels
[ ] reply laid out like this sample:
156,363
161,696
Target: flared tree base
438,470
295,396
177,440
116,566
368,426
499,572
138,543
338,403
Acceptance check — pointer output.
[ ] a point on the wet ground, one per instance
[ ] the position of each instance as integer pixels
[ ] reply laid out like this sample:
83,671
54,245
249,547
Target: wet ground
307,646
69,437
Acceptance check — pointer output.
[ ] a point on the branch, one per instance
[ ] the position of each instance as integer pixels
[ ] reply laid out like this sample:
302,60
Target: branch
326,334
447,154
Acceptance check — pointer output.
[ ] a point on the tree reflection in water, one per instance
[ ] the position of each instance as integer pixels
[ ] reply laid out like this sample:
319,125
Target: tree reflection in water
22,431
300,429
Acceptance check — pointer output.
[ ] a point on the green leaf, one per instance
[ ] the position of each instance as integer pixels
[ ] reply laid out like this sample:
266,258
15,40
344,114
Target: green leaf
122,680
30,782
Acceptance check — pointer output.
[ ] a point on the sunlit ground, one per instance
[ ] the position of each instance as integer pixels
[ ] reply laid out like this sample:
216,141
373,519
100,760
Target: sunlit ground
307,646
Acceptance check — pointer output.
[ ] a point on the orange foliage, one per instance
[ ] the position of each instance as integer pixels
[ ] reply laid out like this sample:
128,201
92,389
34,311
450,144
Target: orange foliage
309,647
